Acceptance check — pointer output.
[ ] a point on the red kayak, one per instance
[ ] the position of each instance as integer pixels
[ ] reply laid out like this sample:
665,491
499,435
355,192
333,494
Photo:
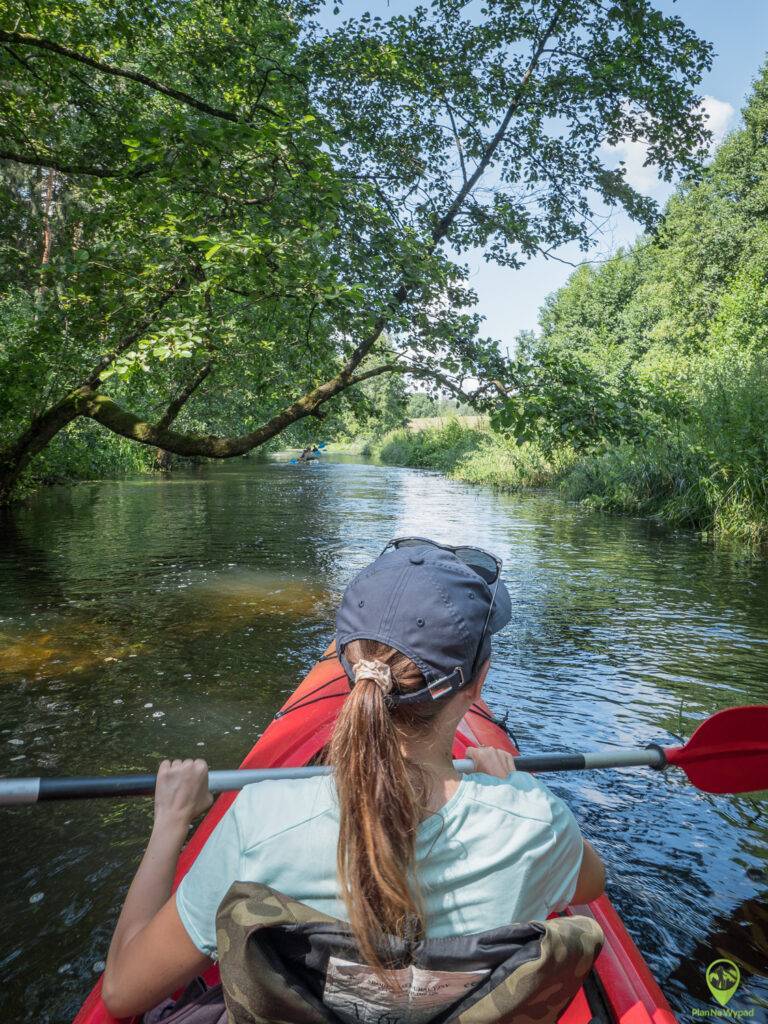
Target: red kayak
620,989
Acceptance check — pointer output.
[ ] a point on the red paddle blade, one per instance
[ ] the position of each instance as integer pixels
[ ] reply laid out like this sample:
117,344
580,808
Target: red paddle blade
728,753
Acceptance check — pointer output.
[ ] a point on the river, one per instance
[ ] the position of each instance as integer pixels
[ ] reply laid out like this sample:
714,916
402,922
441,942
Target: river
153,617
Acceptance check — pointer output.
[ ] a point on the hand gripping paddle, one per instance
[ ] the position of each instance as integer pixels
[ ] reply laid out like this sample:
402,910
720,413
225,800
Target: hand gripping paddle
728,753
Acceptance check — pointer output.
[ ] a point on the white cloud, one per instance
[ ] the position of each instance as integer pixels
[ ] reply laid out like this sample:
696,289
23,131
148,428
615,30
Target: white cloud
634,154
720,115
642,176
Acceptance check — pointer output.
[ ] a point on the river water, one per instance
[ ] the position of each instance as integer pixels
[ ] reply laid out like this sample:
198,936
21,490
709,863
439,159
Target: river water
169,617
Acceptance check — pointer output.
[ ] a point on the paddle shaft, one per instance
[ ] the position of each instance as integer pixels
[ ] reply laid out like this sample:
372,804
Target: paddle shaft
34,790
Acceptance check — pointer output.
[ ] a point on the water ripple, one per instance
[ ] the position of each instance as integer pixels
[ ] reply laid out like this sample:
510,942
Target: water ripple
141,618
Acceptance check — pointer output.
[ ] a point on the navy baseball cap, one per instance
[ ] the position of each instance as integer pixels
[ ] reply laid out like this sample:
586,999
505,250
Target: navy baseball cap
431,606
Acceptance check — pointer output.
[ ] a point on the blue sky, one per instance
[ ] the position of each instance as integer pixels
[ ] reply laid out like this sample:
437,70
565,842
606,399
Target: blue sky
510,299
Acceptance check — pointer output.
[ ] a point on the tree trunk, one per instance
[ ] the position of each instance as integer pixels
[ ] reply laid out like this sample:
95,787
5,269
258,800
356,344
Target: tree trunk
41,431
43,428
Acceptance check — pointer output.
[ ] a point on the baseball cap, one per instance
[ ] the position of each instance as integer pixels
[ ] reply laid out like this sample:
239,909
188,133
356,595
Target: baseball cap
431,606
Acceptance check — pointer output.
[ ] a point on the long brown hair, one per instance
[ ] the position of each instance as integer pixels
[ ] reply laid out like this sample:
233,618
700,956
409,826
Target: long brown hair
382,798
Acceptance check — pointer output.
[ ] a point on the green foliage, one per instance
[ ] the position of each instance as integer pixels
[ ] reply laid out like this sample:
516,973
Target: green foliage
477,455
440,448
235,184
562,400
712,466
653,366
87,453
373,408
421,405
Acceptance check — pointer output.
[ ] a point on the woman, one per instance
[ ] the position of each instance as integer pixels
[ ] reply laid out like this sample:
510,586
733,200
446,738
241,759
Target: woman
396,843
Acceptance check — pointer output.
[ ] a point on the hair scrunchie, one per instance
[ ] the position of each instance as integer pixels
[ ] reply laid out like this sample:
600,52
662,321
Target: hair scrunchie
377,671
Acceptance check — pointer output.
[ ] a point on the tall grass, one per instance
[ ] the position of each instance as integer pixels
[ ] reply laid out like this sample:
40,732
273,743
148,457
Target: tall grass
709,472
509,467
440,447
471,453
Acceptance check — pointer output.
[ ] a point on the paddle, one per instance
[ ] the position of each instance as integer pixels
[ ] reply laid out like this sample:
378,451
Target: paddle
728,753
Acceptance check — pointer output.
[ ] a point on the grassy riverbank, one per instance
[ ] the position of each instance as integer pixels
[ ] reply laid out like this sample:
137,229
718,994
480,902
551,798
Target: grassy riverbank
471,453
681,481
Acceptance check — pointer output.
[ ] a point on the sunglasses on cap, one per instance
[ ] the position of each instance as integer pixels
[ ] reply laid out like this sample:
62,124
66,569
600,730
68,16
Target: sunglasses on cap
488,568
486,565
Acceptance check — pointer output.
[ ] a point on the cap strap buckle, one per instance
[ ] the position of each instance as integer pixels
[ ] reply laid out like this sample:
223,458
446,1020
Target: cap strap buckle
440,687
436,689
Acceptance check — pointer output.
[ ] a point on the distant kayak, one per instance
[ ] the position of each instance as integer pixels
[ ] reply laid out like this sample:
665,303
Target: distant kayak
620,988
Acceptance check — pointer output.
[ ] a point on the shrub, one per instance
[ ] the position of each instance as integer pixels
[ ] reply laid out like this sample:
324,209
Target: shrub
474,454
435,448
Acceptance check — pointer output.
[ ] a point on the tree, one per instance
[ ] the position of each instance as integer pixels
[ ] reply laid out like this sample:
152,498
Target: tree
421,405
653,365
371,409
232,188
560,399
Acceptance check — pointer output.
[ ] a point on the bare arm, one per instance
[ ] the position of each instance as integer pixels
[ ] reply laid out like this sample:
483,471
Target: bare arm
591,881
151,954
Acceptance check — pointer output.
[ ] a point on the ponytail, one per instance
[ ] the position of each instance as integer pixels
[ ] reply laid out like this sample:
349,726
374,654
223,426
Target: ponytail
382,798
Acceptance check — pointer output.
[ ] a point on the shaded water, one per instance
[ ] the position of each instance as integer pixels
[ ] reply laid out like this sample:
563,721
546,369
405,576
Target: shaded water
149,618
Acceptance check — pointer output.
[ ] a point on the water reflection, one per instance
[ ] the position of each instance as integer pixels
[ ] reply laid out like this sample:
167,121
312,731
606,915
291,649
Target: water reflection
156,617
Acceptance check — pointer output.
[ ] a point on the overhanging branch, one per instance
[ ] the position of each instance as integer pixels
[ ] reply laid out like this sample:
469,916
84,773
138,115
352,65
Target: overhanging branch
443,225
86,401
102,409
51,163
26,39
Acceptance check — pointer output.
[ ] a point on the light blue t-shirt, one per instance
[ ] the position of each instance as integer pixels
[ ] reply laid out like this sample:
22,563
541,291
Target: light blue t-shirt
499,851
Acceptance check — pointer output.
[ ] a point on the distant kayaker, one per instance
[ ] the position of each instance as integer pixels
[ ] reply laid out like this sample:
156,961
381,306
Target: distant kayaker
396,843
